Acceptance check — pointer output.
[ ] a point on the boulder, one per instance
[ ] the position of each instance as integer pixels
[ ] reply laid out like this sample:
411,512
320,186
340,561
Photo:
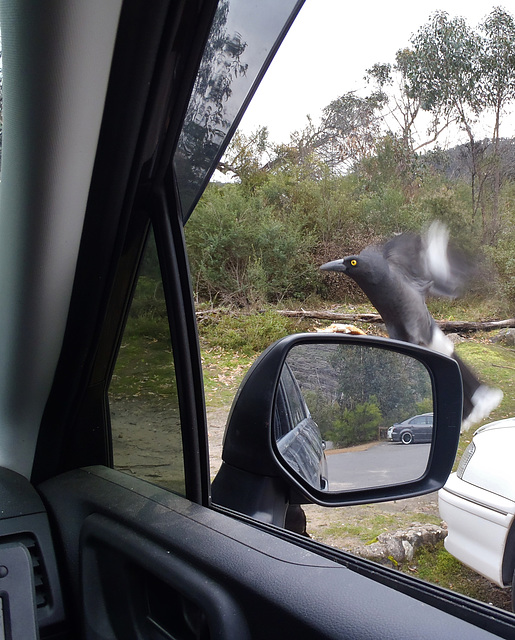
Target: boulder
396,548
506,337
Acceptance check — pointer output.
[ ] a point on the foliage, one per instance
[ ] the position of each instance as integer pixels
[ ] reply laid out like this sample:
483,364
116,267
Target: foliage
353,390
248,334
504,259
248,248
357,175
498,63
243,158
241,253
444,69
356,426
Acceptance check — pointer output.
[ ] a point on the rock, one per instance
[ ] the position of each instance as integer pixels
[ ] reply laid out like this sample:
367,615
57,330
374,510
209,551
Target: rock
506,337
400,546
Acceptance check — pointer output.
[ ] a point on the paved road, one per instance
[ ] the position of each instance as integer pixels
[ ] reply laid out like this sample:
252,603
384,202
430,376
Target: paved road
381,464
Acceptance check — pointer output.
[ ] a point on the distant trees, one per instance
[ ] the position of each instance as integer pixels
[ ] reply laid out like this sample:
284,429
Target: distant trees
498,87
348,396
346,134
451,77
262,241
463,77
370,166
207,122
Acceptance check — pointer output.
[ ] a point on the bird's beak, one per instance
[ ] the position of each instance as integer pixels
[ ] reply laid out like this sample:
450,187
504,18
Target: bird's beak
335,265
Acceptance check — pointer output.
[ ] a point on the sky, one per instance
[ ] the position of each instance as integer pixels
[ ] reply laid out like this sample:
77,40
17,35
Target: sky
328,49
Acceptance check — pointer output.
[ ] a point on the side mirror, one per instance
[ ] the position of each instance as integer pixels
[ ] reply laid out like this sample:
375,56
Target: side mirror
339,420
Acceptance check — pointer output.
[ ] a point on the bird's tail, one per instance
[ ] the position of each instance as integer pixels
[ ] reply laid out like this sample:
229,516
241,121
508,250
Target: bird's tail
479,400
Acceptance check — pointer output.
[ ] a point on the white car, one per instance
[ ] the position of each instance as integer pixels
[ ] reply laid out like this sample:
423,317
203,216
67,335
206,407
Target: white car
478,504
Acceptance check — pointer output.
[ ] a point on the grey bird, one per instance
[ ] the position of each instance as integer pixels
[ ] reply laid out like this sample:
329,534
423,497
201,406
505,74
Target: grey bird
397,276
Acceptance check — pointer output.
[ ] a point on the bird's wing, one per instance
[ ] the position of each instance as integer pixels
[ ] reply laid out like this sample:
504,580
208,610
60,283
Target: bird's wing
449,268
405,254
428,262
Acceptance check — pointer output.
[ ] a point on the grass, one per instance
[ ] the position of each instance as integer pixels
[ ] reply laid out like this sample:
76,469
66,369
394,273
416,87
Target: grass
469,308
363,524
247,333
144,367
231,342
496,367
436,565
223,372
350,527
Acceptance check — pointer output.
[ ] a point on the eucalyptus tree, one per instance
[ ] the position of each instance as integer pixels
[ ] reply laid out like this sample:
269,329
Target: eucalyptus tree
444,72
497,87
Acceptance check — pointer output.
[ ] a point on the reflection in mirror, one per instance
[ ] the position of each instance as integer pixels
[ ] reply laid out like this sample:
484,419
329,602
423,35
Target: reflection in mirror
350,416
242,35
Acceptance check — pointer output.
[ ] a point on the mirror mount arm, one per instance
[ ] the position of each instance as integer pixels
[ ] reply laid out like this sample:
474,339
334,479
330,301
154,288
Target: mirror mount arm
263,498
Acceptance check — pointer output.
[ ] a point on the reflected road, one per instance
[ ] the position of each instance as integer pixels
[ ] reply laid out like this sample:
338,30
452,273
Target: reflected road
381,464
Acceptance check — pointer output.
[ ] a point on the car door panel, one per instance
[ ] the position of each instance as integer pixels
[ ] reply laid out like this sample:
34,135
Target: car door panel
135,552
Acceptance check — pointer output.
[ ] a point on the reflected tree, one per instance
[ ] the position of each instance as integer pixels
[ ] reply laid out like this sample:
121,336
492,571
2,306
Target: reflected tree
207,122
355,389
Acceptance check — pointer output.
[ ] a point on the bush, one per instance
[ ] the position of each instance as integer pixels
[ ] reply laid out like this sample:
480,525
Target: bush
358,425
265,244
240,252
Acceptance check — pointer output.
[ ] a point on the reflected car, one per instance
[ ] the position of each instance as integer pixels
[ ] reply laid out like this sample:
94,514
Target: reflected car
478,504
297,435
416,429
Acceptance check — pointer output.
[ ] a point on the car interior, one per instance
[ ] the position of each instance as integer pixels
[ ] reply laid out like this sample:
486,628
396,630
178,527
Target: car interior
115,115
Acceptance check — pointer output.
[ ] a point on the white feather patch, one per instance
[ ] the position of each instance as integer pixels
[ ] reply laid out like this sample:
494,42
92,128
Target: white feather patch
441,343
437,240
485,400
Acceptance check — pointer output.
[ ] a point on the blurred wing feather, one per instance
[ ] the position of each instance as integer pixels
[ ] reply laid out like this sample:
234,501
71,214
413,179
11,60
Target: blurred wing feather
428,263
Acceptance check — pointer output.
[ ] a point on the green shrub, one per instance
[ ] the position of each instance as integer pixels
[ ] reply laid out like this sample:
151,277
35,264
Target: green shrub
241,252
265,244
358,425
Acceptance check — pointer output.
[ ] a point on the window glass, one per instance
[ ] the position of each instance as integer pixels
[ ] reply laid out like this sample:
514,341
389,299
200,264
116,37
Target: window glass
383,151
242,36
145,419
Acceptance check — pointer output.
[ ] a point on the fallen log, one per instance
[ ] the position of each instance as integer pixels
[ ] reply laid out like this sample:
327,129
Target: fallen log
457,325
332,315
450,326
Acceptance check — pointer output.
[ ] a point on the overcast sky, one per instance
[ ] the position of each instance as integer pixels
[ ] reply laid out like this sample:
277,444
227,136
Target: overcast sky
328,49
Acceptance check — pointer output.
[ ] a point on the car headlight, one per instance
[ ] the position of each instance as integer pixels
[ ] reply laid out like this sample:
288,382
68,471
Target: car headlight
465,459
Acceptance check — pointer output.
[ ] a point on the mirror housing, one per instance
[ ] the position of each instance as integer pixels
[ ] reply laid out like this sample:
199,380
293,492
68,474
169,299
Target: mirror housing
255,480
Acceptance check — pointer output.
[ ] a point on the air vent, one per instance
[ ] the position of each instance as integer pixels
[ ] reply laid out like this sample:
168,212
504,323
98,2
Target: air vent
41,584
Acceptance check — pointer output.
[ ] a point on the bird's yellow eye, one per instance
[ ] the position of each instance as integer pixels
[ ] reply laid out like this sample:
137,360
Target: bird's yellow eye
354,262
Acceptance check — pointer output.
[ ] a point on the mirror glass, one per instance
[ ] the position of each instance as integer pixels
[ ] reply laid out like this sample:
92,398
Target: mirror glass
350,417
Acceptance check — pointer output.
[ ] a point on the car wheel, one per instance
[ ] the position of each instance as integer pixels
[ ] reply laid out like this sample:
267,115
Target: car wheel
513,592
407,437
